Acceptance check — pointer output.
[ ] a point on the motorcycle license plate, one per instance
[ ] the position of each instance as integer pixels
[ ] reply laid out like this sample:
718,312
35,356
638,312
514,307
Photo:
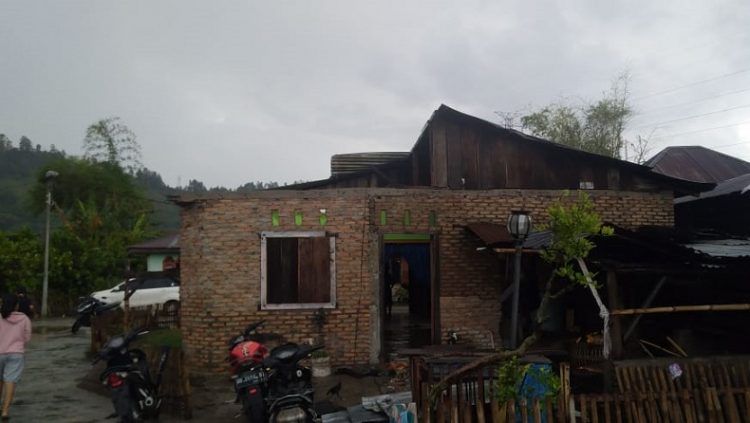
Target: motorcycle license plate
255,377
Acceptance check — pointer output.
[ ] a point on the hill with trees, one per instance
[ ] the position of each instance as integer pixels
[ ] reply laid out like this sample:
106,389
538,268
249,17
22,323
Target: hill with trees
102,203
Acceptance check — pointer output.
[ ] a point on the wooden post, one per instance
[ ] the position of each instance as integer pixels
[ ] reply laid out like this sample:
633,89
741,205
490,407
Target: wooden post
565,387
613,298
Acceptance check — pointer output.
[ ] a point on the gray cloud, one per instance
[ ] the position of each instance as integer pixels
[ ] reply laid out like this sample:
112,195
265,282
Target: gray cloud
229,92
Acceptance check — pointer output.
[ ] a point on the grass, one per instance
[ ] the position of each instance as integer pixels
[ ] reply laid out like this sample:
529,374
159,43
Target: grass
162,338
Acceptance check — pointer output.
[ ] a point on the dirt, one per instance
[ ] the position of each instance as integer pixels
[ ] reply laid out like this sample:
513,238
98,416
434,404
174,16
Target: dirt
56,364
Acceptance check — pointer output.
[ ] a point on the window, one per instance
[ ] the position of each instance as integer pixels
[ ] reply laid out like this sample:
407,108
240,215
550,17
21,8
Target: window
298,270
151,283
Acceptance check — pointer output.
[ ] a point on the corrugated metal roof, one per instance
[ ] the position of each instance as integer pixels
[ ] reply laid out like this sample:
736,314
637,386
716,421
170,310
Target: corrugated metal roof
740,184
166,243
355,162
696,163
722,247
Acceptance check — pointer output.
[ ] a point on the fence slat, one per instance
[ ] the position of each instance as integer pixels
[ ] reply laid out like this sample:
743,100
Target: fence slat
594,411
549,410
524,405
496,411
582,401
426,410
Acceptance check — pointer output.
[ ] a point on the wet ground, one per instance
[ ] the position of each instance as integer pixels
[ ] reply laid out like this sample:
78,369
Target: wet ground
56,363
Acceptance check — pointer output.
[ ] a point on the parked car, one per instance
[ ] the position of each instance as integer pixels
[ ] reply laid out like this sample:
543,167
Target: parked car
150,289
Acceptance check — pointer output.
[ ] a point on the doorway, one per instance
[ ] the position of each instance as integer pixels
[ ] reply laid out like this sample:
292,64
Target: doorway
407,291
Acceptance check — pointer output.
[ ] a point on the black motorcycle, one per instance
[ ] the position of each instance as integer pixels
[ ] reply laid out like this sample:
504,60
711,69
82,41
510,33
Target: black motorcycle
134,395
289,396
88,307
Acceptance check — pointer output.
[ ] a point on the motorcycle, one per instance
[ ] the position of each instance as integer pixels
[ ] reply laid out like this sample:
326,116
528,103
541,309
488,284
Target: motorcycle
289,384
272,386
246,356
88,307
135,396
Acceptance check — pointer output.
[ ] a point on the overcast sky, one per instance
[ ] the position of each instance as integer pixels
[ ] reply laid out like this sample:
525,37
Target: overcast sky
228,92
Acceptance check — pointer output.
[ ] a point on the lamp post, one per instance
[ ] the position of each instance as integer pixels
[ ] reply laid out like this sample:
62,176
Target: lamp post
49,179
519,226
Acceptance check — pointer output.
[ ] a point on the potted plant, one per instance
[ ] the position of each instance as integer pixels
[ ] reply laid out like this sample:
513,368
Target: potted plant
321,363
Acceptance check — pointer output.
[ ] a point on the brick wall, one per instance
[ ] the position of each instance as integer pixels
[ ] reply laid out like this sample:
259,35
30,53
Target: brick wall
220,260
220,267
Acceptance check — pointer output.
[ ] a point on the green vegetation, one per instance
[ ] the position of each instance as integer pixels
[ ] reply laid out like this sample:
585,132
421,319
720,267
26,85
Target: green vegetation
596,127
512,378
101,204
162,338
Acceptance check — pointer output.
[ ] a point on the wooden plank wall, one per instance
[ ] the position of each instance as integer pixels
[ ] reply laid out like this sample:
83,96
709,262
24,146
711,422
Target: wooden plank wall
465,157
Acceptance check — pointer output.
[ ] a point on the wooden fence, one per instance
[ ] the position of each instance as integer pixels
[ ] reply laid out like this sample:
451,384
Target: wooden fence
175,389
708,390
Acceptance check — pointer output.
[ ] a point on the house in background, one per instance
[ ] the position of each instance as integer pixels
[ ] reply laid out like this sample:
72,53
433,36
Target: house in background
327,247
696,163
160,254
715,221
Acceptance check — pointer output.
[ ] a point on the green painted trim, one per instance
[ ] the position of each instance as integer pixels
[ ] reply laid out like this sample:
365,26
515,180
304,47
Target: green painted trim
275,219
383,217
323,219
433,218
298,218
407,217
406,237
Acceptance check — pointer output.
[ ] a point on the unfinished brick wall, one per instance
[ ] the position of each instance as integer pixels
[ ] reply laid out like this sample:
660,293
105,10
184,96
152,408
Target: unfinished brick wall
220,255
220,260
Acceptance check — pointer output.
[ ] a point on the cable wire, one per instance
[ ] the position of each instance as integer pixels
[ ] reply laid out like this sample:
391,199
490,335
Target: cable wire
692,84
702,130
715,112
687,103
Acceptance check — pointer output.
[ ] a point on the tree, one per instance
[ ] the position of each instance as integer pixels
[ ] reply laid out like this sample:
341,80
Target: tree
571,226
100,212
5,143
110,141
20,261
196,186
104,185
24,144
595,127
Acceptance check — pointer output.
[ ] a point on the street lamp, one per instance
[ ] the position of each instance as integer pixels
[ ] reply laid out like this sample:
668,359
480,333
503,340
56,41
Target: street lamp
519,226
49,180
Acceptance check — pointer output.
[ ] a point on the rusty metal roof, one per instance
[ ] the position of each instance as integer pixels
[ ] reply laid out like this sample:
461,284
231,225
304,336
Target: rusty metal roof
355,162
496,235
696,163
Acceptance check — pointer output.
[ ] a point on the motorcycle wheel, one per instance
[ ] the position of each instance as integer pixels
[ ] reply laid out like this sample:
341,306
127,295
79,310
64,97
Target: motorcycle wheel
76,325
254,410
125,407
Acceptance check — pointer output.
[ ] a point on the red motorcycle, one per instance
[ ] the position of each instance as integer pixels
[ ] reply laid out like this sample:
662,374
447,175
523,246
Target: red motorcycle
246,356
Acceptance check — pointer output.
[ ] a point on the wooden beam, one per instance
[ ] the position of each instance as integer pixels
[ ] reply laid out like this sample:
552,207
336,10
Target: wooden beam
686,308
513,251
613,298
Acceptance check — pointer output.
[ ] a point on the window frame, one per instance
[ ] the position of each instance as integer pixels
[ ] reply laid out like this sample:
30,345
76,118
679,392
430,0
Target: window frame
264,305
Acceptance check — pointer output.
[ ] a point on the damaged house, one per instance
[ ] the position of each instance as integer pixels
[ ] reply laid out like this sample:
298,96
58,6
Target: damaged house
317,260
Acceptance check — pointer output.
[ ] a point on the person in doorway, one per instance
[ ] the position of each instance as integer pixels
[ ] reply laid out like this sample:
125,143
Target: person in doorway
391,276
15,332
